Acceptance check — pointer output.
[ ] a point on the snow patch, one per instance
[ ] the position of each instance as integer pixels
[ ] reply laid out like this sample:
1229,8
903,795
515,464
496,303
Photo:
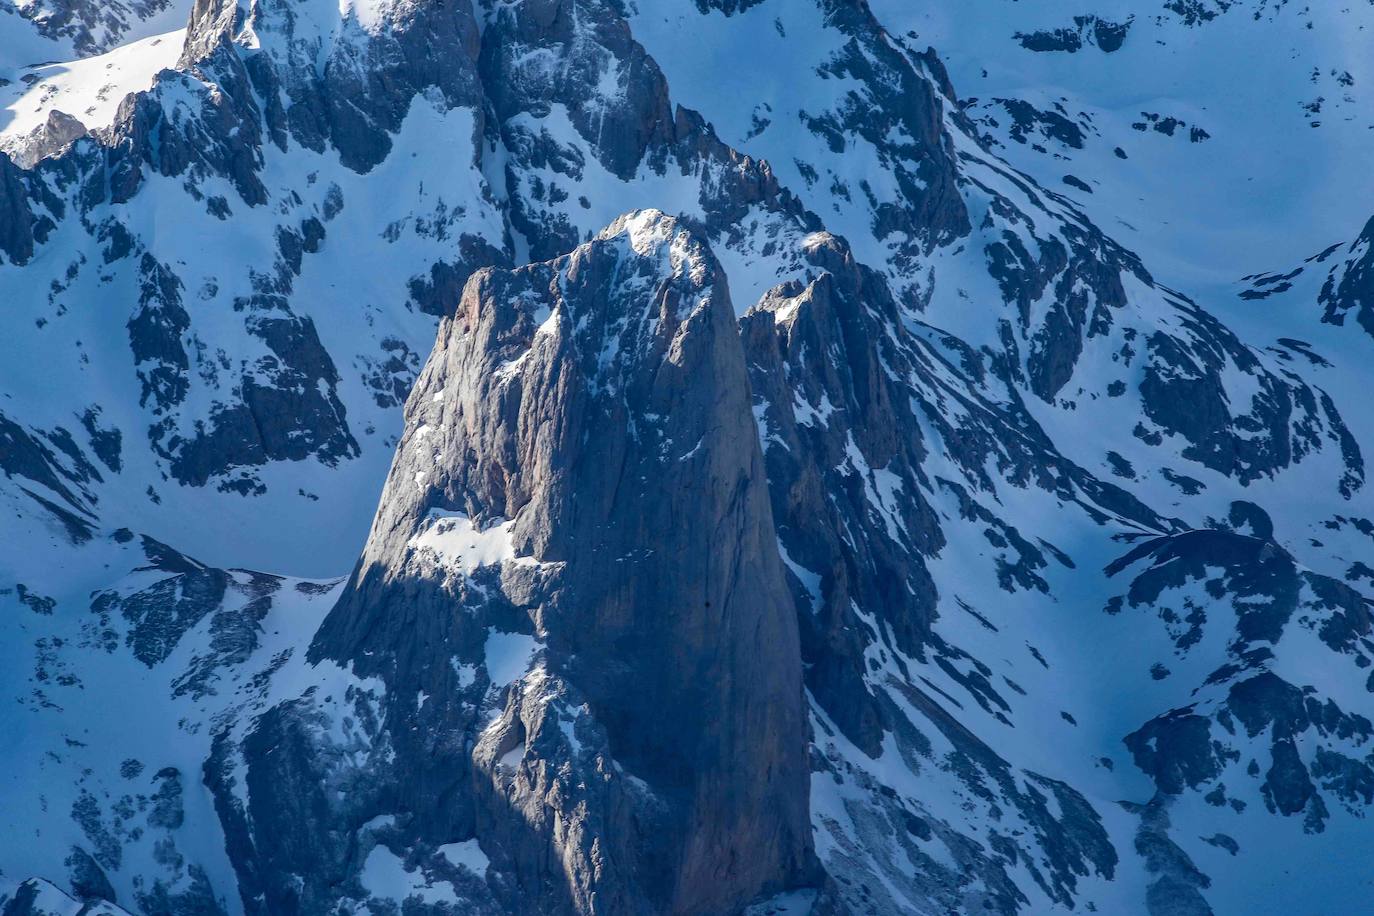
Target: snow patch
508,656
458,544
384,875
512,758
467,854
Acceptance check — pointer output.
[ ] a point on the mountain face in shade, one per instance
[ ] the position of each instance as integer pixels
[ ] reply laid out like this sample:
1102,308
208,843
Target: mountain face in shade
844,457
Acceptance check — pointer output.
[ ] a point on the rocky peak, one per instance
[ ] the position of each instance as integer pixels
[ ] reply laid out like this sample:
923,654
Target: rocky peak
57,132
580,457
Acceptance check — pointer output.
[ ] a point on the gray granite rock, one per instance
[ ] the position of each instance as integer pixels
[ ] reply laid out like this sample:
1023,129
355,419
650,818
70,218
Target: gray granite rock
580,465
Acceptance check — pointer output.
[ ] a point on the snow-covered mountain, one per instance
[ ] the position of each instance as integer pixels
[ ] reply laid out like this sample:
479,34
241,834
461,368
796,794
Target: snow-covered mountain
48,31
845,456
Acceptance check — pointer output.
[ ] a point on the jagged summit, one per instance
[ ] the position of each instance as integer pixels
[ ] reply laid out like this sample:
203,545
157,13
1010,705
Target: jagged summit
580,464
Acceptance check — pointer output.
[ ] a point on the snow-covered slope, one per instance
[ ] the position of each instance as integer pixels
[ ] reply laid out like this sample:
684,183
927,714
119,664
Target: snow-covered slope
42,31
1244,125
1054,325
88,90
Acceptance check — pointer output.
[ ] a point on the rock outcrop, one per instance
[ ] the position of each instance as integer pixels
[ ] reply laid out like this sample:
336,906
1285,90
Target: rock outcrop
575,564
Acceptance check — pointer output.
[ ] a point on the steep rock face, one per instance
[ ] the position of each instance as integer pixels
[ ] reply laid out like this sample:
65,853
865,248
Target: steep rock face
280,117
340,78
820,423
580,464
591,132
16,221
853,405
49,139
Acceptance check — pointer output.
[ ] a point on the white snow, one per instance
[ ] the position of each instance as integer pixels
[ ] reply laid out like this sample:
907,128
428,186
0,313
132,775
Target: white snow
467,674
508,656
1267,188
23,45
384,875
370,14
89,89
467,854
457,544
511,759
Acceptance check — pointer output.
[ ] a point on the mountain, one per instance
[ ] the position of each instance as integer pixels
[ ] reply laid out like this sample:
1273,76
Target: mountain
48,31
844,457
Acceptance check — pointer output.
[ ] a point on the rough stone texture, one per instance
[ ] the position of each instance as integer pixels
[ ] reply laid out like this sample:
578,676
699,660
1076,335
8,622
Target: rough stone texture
361,97
48,139
599,402
1175,882
820,498
844,399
